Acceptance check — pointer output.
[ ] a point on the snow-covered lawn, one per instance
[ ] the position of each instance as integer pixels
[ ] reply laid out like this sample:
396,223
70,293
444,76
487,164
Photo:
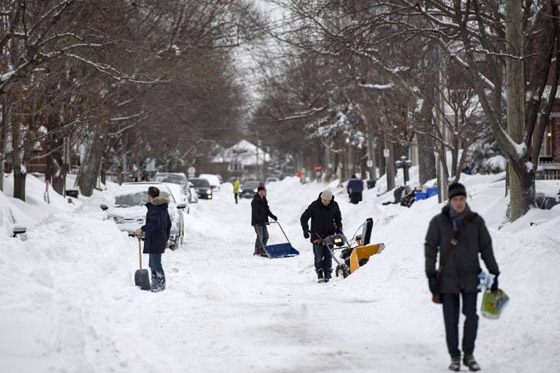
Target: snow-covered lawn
68,300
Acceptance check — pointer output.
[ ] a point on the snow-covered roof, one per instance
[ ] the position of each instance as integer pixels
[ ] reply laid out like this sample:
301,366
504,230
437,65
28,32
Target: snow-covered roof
243,153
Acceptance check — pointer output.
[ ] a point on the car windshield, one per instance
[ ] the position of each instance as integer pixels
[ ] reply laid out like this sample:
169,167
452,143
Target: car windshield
174,179
200,183
251,184
131,199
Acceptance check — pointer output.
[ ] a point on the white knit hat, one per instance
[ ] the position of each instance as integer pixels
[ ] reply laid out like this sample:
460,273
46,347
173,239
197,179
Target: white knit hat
326,195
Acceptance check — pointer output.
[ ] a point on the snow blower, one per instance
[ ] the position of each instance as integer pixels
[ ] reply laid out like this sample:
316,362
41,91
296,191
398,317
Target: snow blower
357,256
141,276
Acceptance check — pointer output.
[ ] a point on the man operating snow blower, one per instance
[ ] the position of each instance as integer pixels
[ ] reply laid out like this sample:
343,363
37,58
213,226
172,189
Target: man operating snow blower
326,220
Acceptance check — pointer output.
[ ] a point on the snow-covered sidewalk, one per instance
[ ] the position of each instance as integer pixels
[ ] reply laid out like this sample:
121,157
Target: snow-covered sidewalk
69,303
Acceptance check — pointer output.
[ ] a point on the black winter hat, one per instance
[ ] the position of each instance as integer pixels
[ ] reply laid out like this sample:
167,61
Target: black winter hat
457,189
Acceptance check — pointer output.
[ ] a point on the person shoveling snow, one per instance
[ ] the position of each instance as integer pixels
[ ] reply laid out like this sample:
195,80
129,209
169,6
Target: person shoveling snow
326,220
156,235
259,219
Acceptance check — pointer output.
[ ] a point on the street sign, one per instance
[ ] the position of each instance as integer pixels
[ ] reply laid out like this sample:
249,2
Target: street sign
192,171
386,153
370,163
318,167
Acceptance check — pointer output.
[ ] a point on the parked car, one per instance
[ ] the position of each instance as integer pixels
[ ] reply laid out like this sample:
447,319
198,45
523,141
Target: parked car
214,180
9,224
128,210
249,188
178,178
272,180
203,188
179,195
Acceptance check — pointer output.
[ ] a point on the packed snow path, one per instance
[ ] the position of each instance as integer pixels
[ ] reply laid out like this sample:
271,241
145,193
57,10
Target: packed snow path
69,302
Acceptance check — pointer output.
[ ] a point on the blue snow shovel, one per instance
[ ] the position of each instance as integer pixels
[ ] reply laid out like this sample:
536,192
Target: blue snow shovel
282,250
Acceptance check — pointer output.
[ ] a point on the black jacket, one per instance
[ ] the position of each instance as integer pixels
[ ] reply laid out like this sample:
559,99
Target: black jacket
158,226
460,273
325,220
260,211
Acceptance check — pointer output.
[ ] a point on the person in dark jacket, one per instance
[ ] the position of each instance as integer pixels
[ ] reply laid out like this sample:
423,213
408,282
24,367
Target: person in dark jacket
156,235
459,275
259,219
326,220
355,188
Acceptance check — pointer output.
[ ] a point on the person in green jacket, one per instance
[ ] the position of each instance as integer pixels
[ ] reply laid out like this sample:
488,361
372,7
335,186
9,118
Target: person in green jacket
236,189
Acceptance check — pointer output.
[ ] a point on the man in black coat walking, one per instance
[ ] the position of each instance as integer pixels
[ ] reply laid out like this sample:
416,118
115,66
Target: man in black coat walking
259,219
156,234
326,220
462,235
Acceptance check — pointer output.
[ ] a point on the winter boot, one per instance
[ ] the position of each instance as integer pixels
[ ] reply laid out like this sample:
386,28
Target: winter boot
471,363
455,364
320,276
328,275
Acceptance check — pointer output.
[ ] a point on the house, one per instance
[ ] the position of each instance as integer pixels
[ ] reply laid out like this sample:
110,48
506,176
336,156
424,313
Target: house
549,159
244,160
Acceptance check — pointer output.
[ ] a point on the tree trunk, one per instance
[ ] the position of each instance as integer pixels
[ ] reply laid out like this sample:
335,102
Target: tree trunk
20,173
522,179
90,169
390,165
426,154
327,171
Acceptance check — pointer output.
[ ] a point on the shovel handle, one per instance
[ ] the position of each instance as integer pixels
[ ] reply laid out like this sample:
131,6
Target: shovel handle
140,251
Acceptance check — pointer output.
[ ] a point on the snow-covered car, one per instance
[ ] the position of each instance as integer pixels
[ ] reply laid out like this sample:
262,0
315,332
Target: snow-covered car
272,180
203,188
249,188
214,180
179,195
129,210
9,224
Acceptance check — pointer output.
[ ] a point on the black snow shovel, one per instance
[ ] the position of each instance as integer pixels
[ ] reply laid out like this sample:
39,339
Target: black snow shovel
141,276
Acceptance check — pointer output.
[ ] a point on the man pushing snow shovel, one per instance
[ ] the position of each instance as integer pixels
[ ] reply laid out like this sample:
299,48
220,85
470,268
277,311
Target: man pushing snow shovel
459,236
326,220
259,219
156,230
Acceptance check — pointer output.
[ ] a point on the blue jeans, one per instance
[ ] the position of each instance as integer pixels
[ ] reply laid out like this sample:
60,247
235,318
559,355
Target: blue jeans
450,302
323,259
158,276
262,232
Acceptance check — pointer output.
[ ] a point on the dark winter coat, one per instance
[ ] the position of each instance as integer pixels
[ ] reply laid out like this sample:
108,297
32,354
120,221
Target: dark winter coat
260,211
461,270
158,226
325,220
355,186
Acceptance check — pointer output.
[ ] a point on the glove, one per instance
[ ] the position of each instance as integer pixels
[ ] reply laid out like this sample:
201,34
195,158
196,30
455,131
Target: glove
274,217
432,283
494,288
306,234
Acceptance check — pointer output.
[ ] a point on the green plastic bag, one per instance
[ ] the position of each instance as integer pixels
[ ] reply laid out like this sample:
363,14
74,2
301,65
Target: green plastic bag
493,304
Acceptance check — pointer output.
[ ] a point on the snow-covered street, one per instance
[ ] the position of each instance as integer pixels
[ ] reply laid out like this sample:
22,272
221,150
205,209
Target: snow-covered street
69,302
